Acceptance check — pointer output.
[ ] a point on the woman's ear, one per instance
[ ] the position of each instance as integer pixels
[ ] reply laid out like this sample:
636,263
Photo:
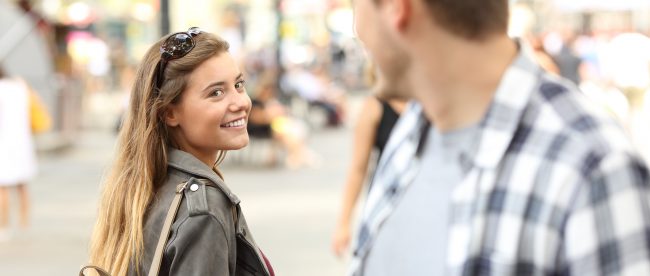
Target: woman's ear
170,116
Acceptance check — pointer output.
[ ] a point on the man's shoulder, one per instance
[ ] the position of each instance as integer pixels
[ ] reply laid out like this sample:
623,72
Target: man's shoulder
560,107
571,127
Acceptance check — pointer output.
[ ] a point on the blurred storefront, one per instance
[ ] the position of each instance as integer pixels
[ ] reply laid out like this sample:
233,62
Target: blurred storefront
586,16
27,50
92,46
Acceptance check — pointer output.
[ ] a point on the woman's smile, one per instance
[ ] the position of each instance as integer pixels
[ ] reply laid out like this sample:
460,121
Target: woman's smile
237,124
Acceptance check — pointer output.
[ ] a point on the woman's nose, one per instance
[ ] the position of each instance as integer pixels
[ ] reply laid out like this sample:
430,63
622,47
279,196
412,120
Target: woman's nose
240,101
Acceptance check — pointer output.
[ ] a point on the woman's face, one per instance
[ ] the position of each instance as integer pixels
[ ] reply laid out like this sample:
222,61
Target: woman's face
213,110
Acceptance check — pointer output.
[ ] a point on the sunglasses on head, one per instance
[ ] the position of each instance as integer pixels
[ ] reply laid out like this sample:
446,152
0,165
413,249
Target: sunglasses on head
176,46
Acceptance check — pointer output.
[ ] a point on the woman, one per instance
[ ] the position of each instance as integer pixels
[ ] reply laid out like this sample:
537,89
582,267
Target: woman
372,131
17,150
188,106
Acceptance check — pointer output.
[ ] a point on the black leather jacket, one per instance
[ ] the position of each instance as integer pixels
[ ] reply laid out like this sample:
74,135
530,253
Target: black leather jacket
206,237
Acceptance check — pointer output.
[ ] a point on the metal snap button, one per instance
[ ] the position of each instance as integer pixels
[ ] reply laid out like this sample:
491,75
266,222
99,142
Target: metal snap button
194,187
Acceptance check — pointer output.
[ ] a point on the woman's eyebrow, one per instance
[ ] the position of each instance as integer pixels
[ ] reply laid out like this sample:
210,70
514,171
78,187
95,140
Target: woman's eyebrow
219,83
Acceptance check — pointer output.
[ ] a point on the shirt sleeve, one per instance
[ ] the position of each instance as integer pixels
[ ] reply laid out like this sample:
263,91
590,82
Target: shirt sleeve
200,247
608,230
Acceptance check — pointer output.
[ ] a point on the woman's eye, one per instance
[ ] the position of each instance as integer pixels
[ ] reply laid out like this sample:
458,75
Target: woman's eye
217,93
240,84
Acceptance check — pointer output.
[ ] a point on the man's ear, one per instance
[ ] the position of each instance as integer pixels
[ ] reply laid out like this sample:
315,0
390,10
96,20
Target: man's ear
170,116
401,12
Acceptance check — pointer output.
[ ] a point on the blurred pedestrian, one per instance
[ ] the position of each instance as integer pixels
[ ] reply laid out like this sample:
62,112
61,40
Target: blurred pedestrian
568,62
17,151
188,107
498,168
372,130
314,86
371,133
270,119
542,57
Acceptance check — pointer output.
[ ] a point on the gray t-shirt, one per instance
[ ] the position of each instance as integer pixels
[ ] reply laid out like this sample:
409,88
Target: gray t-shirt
412,240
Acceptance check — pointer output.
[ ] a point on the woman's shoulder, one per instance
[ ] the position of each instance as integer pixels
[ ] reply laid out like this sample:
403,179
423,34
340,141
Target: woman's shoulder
201,196
201,205
372,109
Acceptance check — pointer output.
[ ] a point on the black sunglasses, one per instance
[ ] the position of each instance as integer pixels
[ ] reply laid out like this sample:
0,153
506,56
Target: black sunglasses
175,46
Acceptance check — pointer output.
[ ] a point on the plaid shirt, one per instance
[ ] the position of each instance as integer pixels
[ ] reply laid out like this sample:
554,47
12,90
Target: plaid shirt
553,188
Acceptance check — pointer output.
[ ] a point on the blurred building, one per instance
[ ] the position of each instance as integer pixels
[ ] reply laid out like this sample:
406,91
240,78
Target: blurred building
586,16
72,49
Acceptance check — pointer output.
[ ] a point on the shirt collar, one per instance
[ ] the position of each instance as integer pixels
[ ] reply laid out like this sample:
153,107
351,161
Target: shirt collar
505,112
498,126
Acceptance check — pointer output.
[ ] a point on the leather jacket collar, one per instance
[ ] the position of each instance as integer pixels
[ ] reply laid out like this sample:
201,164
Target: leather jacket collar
187,163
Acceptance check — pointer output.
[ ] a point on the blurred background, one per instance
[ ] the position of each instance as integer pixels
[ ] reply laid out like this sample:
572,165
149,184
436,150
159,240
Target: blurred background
301,58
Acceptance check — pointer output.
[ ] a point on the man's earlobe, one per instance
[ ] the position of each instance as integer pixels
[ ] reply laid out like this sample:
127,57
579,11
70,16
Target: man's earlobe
402,11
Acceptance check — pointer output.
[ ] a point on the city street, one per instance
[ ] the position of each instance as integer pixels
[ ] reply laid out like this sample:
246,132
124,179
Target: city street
71,70
291,213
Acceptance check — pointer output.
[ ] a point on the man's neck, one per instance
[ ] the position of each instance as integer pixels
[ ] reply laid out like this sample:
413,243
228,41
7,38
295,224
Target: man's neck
456,86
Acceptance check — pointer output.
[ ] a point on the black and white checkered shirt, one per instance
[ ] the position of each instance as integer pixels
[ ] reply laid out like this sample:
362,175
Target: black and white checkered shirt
553,188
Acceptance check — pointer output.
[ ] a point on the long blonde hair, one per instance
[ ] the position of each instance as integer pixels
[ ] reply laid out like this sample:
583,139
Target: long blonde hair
140,164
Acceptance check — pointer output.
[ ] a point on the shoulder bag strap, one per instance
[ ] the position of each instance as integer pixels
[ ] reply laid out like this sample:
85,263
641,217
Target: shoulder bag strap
164,233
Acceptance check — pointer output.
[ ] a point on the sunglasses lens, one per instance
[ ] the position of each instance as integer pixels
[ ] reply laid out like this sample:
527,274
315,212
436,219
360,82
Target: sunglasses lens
194,31
178,45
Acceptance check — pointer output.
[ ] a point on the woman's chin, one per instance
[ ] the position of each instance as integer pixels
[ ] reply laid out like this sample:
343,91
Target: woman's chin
238,144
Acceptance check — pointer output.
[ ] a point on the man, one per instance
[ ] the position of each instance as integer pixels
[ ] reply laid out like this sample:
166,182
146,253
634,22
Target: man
499,168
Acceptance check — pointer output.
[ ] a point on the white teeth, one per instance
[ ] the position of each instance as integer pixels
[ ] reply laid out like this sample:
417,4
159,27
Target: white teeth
237,123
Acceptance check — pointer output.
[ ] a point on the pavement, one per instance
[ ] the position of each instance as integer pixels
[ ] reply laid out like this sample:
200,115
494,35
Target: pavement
291,212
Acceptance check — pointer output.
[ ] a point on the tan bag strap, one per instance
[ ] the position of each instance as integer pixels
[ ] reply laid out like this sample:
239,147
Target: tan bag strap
235,217
164,233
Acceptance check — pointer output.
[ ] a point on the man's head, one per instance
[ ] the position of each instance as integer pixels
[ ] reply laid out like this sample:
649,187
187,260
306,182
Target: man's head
389,27
390,60
469,19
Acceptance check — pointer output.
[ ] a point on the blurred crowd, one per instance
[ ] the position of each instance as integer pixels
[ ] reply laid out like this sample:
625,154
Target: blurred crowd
611,67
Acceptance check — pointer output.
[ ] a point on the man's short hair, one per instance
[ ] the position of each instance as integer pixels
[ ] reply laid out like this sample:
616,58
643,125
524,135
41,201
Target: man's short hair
470,19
